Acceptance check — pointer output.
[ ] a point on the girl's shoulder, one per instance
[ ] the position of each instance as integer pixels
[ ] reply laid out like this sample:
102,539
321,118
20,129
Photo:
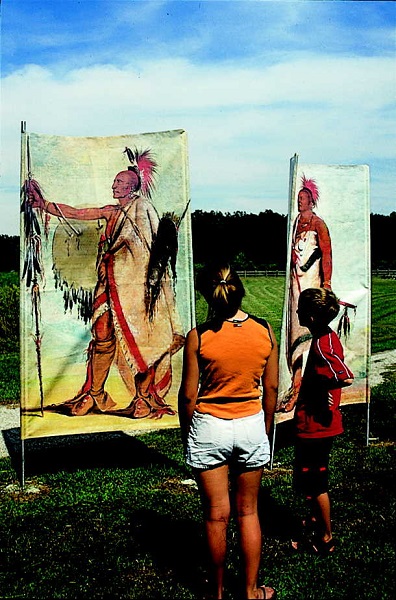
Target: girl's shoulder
260,321
327,337
264,323
211,325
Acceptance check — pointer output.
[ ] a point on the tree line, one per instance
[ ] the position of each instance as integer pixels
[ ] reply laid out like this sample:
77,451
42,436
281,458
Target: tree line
250,241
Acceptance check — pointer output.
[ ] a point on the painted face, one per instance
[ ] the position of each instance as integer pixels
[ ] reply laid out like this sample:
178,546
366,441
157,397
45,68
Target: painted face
304,201
124,184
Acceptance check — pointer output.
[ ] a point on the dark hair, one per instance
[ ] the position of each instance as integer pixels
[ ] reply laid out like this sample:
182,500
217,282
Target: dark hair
319,303
222,289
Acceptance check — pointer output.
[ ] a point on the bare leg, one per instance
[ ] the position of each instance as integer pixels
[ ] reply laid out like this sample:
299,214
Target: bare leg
322,503
213,485
248,484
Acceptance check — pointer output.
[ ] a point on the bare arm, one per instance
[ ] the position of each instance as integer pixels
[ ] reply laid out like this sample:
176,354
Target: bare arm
270,385
324,242
82,214
66,211
188,392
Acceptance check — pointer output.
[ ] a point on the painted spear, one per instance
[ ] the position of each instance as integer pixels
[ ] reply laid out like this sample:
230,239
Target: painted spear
33,271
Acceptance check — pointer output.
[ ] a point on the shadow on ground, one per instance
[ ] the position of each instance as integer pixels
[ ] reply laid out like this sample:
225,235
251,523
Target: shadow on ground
176,546
83,451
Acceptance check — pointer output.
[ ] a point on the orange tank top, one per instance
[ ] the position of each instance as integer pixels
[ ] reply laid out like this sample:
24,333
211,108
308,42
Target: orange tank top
232,357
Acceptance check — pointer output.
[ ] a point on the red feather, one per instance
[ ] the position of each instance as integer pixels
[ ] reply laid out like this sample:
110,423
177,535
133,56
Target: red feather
310,184
146,166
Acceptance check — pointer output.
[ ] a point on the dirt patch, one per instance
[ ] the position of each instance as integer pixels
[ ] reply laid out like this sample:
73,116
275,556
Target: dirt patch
30,491
380,364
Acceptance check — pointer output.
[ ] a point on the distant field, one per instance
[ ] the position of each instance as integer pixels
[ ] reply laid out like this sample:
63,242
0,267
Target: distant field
383,315
265,296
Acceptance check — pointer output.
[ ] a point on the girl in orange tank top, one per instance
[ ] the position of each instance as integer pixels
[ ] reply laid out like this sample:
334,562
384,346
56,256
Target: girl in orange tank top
227,402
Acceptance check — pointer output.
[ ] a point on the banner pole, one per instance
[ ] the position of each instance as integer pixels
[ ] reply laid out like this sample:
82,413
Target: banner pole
22,176
273,447
368,425
369,277
23,464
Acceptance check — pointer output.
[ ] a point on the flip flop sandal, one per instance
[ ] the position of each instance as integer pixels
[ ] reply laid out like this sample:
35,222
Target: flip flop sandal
265,597
307,529
322,548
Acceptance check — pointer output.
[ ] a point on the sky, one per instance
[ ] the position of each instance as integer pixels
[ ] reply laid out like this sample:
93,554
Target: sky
252,83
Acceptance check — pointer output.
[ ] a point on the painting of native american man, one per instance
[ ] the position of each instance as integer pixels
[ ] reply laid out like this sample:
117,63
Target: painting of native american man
133,315
310,267
322,253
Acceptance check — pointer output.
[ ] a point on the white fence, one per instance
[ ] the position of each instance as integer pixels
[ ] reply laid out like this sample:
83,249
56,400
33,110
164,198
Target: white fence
382,273
261,273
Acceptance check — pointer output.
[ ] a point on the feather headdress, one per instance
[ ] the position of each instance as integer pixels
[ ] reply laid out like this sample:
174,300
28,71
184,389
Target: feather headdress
145,168
311,186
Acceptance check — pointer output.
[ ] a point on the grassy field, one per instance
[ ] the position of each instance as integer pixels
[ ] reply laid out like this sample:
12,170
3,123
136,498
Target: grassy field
110,515
265,296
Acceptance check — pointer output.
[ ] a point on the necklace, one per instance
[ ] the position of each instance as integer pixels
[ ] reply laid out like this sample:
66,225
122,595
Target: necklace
303,225
237,322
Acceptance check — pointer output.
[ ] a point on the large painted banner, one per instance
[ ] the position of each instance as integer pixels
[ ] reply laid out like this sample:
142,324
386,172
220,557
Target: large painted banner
106,281
328,246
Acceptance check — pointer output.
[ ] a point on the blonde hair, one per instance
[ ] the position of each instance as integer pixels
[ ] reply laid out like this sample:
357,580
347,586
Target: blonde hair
222,289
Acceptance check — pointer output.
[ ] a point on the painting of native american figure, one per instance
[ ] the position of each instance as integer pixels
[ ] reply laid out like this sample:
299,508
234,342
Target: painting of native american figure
321,229
115,267
310,267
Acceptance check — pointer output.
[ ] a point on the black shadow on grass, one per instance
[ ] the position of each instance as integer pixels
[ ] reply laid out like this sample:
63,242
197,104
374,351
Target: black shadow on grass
82,451
174,544
277,521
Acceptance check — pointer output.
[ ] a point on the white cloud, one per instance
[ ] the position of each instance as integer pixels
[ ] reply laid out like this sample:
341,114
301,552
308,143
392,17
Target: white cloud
244,122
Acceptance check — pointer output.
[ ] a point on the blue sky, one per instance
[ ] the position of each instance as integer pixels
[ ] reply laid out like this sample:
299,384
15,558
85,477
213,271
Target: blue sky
251,83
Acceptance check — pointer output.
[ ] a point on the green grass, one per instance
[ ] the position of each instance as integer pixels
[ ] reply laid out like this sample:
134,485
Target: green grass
108,515
383,314
112,518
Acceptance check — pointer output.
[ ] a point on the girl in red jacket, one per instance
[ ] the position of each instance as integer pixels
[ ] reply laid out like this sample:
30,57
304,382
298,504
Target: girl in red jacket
317,416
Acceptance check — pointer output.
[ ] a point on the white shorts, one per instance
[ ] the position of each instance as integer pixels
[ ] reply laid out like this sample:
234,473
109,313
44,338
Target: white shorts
213,442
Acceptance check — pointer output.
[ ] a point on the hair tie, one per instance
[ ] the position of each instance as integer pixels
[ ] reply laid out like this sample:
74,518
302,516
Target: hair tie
223,281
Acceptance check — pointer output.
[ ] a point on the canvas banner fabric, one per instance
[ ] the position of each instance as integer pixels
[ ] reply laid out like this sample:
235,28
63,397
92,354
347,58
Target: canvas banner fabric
331,248
107,292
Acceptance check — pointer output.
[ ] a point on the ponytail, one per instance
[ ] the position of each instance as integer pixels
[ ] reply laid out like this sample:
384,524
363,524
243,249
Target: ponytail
222,289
